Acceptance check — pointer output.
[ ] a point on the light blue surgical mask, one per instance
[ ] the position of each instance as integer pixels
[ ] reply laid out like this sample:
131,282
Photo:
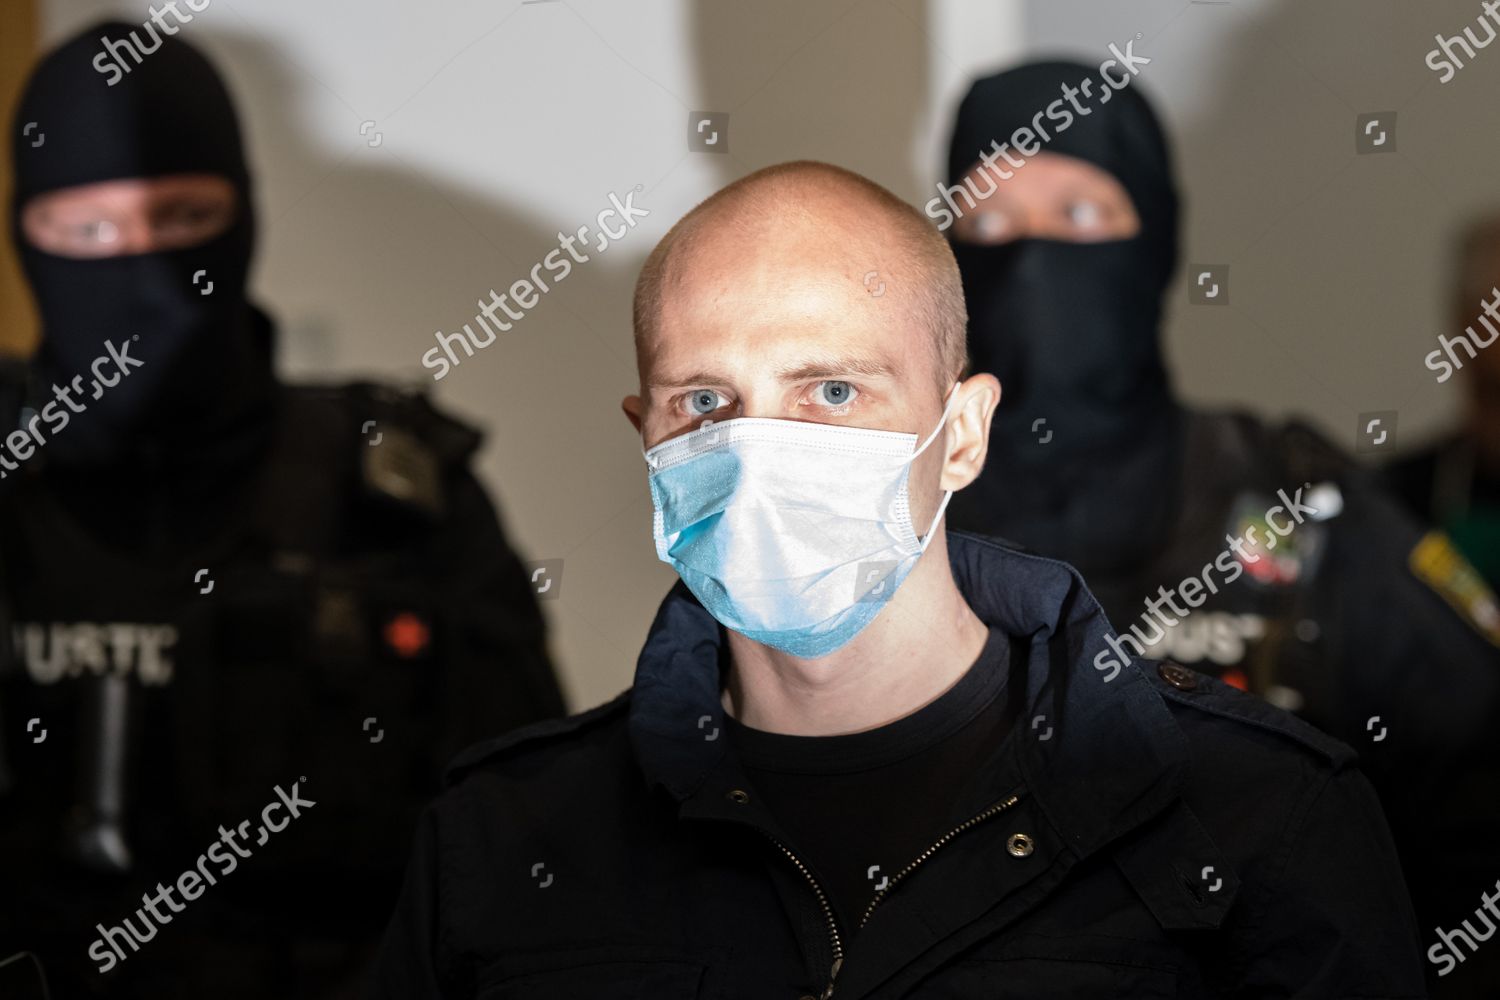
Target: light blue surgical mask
793,534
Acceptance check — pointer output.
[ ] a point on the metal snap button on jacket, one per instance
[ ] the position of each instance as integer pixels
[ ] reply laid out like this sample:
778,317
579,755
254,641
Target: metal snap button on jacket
1020,845
738,796
1179,677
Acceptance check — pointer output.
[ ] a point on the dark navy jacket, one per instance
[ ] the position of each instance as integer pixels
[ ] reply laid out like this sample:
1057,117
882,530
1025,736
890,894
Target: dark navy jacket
1155,834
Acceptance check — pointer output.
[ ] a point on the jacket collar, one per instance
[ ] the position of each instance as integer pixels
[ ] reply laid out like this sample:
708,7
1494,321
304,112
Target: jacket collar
1114,756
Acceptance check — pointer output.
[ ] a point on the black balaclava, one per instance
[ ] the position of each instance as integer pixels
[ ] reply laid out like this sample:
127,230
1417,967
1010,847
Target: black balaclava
1083,453
206,359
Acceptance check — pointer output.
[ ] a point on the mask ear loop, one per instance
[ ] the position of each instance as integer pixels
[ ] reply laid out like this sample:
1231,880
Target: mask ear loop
947,494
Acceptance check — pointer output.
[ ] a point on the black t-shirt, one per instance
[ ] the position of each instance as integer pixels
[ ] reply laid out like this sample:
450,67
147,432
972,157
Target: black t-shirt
880,797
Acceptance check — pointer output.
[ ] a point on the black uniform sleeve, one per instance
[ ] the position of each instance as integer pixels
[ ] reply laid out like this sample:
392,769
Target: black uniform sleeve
1415,655
1338,923
498,675
1433,681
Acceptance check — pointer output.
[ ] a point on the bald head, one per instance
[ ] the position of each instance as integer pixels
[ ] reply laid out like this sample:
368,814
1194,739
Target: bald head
807,293
804,227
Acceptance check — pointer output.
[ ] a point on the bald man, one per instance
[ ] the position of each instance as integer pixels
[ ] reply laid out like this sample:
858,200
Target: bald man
863,757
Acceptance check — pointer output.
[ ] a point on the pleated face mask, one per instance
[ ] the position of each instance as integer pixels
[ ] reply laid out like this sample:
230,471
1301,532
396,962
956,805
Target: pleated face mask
793,534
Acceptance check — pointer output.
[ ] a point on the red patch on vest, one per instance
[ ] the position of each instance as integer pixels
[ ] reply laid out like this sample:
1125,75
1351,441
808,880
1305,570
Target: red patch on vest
407,635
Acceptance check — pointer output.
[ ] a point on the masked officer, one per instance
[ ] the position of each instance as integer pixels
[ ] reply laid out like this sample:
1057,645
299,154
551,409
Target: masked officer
250,620
863,757
1257,553
1455,482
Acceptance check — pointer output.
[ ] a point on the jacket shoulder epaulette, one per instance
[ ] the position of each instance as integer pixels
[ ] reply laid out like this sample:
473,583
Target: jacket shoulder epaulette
531,736
451,439
1213,696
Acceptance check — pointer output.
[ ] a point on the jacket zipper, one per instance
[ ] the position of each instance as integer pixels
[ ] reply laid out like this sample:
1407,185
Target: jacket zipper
833,926
994,810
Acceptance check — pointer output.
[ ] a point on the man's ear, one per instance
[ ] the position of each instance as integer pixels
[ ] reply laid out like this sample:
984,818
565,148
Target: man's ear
632,407
969,430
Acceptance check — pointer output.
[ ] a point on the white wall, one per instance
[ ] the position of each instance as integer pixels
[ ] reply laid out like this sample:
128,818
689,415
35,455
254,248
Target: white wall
502,123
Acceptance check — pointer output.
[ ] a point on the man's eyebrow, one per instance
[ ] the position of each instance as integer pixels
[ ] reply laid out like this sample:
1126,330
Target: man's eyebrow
697,380
831,368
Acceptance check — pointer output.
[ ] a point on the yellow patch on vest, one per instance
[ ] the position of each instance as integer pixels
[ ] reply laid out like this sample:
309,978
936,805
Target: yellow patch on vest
1436,562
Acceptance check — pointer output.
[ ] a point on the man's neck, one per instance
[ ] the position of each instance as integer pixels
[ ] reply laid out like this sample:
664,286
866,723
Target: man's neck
919,646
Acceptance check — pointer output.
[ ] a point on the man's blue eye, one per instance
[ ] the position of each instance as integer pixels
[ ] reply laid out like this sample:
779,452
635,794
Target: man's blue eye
836,393
704,401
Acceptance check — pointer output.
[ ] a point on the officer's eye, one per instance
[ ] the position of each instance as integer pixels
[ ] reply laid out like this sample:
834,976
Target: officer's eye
703,401
833,393
185,216
188,222
94,231
991,225
1085,214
